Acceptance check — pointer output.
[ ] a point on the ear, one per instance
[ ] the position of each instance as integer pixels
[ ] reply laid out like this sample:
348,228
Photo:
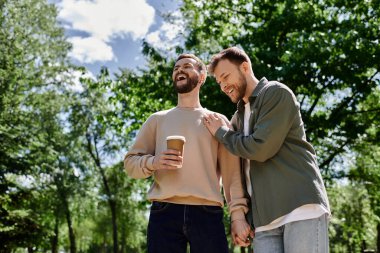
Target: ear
244,67
202,77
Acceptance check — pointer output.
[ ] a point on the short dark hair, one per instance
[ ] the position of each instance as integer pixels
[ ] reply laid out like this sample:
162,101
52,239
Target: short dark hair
201,66
234,54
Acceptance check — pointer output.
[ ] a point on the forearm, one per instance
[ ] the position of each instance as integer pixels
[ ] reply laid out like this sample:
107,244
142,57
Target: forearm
249,147
232,184
138,166
138,162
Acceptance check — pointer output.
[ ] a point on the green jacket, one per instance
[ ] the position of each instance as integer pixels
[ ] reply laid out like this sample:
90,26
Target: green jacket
284,171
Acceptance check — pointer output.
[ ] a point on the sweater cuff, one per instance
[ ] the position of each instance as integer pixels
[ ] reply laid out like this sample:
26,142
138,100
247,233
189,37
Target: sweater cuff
221,132
149,164
237,215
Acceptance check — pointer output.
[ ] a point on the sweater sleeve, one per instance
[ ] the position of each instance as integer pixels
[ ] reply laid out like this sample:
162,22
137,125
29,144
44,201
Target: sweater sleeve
229,166
276,115
138,162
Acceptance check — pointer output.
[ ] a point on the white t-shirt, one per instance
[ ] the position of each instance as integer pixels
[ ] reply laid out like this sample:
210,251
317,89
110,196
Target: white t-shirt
305,212
247,114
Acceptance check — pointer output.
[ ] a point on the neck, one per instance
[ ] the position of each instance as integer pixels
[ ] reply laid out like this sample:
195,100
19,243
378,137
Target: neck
189,100
252,82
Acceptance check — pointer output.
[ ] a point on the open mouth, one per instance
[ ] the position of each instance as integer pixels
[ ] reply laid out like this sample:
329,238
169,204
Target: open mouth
181,77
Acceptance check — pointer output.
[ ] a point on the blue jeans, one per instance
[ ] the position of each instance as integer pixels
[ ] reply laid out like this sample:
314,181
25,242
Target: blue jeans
306,236
172,226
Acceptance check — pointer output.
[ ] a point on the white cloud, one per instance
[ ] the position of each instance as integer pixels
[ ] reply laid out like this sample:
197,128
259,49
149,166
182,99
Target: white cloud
76,85
90,49
172,30
72,79
171,33
153,38
104,20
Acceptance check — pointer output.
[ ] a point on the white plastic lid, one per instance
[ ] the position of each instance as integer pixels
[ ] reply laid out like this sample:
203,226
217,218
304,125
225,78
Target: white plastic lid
175,137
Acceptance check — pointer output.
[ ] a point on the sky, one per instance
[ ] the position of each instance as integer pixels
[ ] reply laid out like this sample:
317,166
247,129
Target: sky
110,32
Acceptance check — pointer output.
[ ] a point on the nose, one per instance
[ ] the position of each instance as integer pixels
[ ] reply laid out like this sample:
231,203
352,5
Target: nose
179,70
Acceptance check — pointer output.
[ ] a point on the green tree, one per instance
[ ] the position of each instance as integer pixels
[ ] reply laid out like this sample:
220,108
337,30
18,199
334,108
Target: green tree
327,52
102,143
366,169
131,212
98,139
136,95
33,63
353,223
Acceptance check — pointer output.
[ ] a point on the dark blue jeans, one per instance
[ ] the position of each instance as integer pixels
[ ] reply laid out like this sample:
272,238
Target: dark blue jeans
172,226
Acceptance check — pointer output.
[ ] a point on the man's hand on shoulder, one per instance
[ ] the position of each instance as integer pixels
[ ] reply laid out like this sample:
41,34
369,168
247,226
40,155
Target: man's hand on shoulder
214,121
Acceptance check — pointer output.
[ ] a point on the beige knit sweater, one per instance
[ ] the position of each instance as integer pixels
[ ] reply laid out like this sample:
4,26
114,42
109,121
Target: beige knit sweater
205,162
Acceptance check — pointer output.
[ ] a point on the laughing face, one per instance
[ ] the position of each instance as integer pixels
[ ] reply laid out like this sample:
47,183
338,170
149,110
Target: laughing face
231,80
185,75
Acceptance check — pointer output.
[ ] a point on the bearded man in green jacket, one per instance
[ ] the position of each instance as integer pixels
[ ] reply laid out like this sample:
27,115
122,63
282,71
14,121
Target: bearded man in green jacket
289,207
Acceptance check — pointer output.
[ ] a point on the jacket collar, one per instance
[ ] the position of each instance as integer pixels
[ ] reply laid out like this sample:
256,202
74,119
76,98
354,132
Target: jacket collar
260,86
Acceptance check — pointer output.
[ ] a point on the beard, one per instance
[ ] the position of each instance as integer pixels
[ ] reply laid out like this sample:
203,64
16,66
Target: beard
241,90
187,87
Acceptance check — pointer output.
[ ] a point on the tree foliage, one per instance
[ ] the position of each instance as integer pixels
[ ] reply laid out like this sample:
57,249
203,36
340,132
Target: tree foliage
327,52
62,185
32,64
353,222
366,168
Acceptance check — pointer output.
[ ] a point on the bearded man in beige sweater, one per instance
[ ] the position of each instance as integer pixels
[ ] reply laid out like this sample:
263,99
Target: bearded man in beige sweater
187,202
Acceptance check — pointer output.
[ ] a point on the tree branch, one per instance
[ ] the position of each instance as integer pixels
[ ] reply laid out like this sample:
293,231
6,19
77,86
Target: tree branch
316,100
245,13
89,149
371,110
337,151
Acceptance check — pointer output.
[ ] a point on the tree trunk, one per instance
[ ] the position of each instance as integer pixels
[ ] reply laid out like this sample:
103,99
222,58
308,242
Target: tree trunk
54,240
123,241
364,246
111,201
73,248
66,209
378,237
112,204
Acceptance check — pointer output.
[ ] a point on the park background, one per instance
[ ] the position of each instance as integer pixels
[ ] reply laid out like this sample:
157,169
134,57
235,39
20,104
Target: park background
64,129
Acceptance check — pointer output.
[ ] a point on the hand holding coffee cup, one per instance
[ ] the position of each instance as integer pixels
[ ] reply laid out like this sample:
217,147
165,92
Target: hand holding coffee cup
176,142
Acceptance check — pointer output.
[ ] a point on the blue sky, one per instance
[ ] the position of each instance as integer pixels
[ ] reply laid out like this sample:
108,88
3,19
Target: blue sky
110,32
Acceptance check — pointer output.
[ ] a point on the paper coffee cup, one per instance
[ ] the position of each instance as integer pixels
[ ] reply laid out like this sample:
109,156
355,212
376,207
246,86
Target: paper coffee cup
176,142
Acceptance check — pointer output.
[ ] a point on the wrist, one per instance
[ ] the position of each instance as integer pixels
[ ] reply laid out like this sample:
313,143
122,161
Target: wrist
237,214
239,220
150,163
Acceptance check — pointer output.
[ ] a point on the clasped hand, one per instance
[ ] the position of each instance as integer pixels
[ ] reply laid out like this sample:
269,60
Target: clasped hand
241,233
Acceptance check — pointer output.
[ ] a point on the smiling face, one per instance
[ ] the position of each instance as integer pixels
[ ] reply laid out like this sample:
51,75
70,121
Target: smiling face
231,80
185,75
